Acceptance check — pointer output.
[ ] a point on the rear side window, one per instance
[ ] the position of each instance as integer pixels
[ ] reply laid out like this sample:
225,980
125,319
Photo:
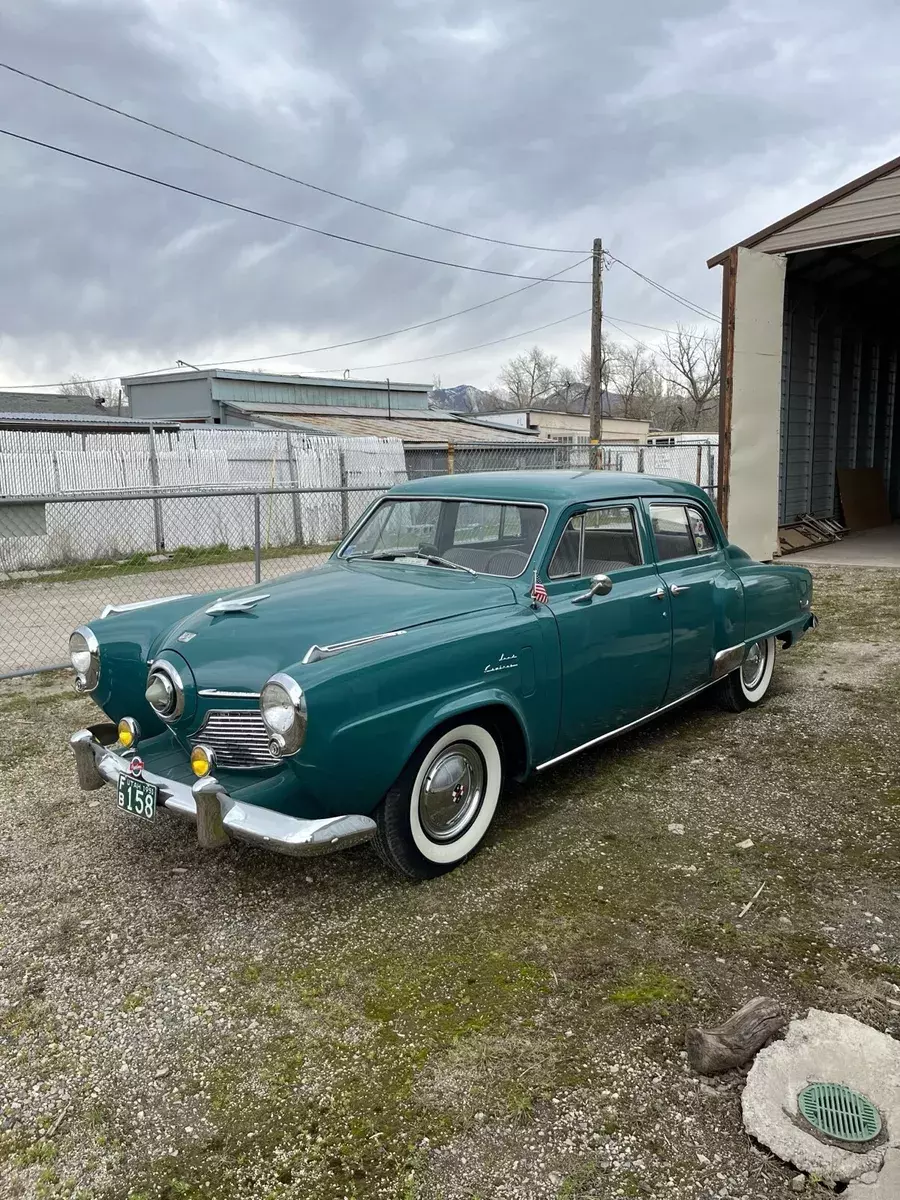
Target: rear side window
680,531
597,542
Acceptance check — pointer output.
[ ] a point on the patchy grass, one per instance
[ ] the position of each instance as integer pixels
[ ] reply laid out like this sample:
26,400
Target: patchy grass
172,560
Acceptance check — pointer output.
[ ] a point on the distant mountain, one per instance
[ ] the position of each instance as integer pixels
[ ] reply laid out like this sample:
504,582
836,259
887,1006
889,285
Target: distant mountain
463,399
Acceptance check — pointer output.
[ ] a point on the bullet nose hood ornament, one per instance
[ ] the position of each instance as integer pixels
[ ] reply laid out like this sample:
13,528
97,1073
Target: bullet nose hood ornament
226,604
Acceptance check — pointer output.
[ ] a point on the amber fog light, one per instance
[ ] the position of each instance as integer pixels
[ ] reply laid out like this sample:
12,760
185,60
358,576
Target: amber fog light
203,761
129,733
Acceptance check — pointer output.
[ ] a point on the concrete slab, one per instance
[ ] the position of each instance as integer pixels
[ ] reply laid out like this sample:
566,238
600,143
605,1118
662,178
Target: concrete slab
871,548
824,1048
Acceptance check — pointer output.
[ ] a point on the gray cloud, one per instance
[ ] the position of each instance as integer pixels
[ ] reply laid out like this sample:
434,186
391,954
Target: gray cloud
669,135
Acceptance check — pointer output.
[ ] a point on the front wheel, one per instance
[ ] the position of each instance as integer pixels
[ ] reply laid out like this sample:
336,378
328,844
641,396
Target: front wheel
748,685
438,811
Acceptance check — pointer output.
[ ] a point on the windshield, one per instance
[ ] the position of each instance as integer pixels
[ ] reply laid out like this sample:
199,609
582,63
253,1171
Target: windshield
490,538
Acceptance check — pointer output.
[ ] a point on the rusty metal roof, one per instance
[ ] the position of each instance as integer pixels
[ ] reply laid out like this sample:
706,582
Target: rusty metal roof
432,429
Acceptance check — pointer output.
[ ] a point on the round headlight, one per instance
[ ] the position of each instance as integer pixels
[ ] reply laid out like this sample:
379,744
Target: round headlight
161,694
277,709
84,652
283,707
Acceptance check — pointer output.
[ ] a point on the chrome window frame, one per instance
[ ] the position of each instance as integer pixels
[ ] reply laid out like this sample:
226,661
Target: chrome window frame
632,506
684,504
339,553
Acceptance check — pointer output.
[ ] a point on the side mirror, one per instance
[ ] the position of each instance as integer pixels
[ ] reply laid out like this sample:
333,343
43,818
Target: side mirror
601,585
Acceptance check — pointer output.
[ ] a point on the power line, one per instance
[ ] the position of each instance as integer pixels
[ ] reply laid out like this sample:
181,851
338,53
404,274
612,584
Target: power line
695,308
277,174
254,212
698,309
375,337
466,349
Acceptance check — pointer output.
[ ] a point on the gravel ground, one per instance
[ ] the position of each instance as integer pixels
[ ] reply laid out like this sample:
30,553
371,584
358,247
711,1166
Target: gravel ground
175,1024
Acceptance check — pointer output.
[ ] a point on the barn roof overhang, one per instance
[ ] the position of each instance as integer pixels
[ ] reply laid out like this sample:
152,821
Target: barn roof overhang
846,189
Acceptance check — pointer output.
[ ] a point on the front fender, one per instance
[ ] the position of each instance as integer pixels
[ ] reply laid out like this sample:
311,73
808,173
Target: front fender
128,639
461,705
370,708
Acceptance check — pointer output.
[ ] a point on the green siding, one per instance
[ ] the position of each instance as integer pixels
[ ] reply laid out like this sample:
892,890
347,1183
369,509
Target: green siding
266,392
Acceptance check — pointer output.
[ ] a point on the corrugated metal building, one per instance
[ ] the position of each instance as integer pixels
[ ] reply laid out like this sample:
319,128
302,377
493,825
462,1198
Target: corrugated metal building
810,342
200,395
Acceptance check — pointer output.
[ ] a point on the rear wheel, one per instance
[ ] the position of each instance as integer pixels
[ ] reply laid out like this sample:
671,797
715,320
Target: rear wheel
748,685
440,808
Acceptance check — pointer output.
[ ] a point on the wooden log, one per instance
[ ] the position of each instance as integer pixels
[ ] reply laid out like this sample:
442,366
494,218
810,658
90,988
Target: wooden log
712,1051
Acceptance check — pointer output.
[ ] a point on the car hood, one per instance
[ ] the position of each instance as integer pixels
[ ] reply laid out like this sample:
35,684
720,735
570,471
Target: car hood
334,603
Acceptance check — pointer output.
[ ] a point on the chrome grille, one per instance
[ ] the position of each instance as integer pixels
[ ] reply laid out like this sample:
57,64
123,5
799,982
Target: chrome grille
239,738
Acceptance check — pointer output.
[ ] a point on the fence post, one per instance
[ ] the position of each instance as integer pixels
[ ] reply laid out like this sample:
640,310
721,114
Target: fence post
699,463
345,495
159,536
450,458
711,468
640,469
295,499
257,540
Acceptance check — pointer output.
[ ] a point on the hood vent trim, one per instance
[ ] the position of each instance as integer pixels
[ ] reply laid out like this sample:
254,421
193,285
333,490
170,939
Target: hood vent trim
317,653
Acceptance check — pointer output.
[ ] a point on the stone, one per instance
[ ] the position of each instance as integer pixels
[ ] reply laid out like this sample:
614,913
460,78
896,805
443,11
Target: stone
798,1183
747,844
676,828
826,1047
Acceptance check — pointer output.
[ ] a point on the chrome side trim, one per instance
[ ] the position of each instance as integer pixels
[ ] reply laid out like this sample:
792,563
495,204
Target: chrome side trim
605,737
224,695
248,822
235,604
315,653
728,660
120,608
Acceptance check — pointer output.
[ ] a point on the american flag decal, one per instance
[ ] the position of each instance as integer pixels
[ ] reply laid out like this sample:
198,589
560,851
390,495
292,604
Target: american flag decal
538,591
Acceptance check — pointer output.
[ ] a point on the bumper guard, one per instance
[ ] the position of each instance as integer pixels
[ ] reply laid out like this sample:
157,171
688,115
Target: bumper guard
99,759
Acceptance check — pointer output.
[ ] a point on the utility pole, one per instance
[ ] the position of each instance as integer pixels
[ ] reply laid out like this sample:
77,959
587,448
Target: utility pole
596,352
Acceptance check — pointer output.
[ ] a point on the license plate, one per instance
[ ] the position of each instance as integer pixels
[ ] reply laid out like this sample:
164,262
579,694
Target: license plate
137,796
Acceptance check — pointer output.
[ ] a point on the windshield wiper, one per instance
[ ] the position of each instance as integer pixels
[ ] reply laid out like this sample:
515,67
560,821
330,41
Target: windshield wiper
390,555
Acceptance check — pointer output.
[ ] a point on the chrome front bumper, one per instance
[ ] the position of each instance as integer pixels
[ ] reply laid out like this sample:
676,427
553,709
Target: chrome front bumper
218,817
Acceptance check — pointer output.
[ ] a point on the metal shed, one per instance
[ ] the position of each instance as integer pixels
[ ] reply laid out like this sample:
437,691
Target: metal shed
810,343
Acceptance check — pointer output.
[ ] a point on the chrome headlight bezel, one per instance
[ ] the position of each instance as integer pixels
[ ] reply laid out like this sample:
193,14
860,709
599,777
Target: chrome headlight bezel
282,705
87,669
173,682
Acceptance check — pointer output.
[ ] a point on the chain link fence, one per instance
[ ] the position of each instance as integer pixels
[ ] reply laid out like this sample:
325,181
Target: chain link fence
65,555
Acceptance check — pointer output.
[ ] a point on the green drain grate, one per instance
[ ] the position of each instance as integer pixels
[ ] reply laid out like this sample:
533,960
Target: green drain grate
840,1112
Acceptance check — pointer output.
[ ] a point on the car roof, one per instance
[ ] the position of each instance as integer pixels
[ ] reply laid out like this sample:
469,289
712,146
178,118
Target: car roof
548,487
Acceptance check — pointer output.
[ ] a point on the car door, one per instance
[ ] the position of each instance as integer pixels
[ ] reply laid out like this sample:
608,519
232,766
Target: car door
704,593
615,648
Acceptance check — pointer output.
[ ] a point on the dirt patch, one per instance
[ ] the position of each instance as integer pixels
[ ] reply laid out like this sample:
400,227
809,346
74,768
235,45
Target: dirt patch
174,1024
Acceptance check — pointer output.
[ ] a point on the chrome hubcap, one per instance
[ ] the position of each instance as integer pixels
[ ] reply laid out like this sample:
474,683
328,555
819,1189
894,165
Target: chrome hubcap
451,792
754,665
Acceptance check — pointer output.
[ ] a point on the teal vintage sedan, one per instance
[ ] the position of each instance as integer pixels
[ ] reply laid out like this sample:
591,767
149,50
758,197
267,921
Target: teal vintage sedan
469,629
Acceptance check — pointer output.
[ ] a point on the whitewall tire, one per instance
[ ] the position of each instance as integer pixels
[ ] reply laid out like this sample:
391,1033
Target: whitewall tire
442,805
749,684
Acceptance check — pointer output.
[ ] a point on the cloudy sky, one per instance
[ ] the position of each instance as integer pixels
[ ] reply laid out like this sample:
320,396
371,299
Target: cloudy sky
671,128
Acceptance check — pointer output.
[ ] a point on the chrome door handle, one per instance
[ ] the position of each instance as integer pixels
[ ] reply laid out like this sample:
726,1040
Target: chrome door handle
677,588
660,594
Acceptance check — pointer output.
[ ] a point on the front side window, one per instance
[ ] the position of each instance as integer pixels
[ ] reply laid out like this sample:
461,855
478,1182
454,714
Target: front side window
680,531
597,542
490,538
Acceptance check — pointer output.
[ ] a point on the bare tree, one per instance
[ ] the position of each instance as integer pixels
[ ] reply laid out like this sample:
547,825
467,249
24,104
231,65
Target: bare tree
690,365
529,379
107,394
635,376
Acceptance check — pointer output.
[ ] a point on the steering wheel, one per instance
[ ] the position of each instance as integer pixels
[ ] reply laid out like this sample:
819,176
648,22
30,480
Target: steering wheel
428,548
